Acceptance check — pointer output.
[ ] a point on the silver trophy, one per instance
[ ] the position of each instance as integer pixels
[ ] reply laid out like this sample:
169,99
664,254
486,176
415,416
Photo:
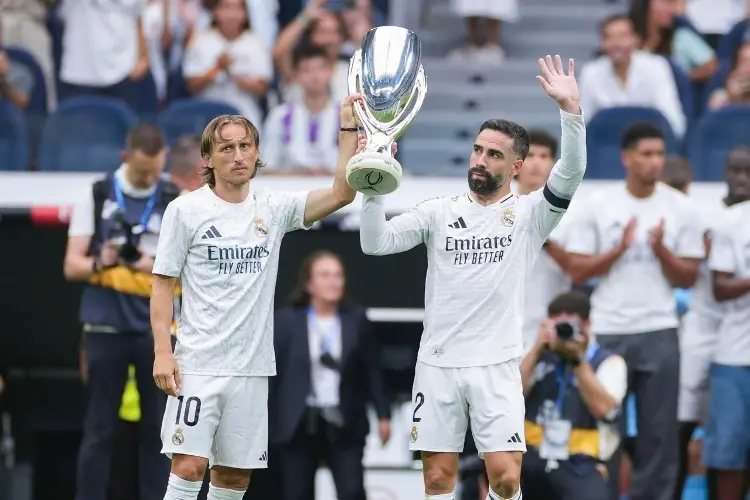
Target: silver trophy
387,71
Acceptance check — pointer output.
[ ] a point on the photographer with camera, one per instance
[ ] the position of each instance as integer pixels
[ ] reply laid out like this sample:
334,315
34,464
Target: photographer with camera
573,390
114,229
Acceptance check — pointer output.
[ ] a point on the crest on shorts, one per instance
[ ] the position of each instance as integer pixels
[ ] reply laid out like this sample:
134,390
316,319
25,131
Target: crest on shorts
178,437
508,218
261,229
413,435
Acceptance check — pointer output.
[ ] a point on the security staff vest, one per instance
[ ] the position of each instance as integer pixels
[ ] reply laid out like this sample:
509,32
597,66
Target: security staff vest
542,401
117,298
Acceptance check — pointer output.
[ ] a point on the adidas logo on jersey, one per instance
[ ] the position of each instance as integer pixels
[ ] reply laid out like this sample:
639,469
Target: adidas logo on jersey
263,457
515,439
459,224
211,233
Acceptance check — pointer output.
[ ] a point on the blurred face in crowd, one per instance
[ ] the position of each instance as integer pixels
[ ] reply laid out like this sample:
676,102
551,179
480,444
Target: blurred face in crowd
738,174
327,33
231,17
493,162
326,283
314,75
645,160
619,40
145,166
234,155
536,167
662,12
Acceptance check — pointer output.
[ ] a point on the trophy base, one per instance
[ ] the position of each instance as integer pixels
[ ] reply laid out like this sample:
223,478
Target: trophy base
373,173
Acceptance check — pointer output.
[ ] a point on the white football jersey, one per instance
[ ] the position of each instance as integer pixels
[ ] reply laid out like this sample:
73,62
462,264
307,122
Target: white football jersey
227,256
479,258
702,300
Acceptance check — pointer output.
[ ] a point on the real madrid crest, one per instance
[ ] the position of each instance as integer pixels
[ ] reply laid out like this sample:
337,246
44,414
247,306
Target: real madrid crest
261,229
178,438
413,435
508,218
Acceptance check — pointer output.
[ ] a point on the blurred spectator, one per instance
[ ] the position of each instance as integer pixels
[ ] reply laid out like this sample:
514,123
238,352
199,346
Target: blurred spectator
316,26
571,427
654,22
712,18
262,15
302,137
625,76
168,26
104,49
548,278
736,91
22,24
487,14
112,238
358,21
727,443
327,372
229,62
677,173
186,163
16,81
641,240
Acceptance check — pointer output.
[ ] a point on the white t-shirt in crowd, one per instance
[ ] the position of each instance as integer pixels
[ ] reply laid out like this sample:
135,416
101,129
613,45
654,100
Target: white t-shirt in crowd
250,58
100,40
730,253
227,256
479,258
702,299
715,17
294,138
650,83
634,296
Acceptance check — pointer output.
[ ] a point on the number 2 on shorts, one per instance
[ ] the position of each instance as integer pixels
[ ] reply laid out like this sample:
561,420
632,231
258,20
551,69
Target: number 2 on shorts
419,400
192,405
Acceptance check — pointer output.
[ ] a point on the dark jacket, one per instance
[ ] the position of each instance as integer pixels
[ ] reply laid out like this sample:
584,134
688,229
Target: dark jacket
361,378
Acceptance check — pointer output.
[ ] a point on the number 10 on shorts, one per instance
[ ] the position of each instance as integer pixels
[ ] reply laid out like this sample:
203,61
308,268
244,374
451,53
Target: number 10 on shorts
188,410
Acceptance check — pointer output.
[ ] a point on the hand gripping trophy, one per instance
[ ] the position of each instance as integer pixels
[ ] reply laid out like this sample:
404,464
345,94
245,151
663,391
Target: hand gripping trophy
388,73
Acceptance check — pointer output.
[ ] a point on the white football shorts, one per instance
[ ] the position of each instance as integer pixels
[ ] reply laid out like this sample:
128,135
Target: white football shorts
445,400
224,419
698,333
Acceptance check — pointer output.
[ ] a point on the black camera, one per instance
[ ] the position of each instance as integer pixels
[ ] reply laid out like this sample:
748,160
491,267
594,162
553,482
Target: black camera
566,330
128,251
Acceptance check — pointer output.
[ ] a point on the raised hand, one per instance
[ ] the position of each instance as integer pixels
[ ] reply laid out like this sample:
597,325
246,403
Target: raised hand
559,86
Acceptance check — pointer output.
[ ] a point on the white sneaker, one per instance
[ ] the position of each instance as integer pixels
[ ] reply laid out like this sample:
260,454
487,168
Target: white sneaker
490,54
463,53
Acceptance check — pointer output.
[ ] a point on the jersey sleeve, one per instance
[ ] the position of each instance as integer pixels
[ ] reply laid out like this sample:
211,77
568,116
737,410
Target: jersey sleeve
551,202
82,217
174,243
690,240
721,257
581,235
399,234
289,210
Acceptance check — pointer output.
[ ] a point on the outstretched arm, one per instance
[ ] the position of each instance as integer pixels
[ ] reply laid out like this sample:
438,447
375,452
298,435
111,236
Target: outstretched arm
323,202
568,172
403,232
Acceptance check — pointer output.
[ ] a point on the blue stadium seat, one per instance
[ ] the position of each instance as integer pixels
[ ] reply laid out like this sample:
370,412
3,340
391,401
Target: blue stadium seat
190,116
731,42
176,87
38,97
604,133
86,134
147,101
14,138
715,135
684,90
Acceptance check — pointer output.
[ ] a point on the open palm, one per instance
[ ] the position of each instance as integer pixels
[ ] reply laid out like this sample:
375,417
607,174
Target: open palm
559,86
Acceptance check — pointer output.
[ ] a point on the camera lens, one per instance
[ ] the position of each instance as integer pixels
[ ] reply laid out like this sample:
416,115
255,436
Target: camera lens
565,331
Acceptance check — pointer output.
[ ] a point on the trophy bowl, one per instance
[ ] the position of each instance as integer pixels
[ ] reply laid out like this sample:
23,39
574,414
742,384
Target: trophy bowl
387,71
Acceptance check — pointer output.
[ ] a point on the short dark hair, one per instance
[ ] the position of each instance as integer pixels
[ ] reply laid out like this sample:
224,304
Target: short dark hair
308,51
544,139
573,302
513,130
604,24
677,173
185,154
738,154
147,139
638,131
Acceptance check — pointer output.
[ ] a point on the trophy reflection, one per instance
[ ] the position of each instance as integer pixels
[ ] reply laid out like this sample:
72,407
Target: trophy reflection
387,71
